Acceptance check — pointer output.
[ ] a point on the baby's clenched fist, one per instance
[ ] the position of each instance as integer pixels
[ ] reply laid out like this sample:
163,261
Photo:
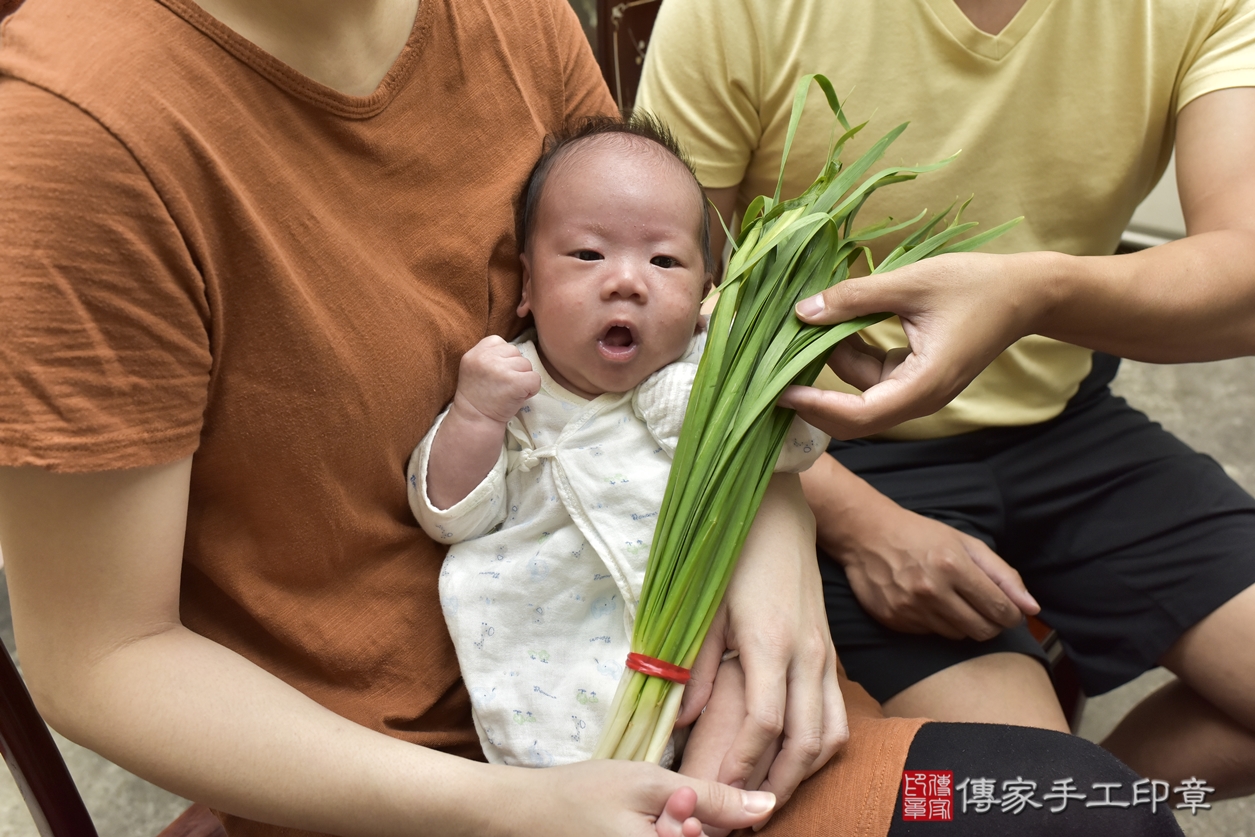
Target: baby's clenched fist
495,379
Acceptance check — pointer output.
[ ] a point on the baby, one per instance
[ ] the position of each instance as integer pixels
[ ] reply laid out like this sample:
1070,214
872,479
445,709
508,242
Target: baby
547,471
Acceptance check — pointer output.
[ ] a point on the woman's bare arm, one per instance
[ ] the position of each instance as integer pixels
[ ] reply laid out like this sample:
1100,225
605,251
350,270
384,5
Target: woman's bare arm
93,563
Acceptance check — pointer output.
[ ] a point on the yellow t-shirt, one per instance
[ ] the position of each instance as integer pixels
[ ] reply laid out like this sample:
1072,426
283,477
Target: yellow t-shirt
1066,117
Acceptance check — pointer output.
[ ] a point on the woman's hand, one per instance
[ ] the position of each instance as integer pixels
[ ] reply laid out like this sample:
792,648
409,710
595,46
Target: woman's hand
791,719
621,799
716,729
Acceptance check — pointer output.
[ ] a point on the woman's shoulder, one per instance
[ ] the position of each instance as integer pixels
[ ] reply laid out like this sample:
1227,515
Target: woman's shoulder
94,53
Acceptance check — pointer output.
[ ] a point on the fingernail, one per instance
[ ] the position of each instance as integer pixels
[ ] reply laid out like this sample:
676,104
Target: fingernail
810,307
758,802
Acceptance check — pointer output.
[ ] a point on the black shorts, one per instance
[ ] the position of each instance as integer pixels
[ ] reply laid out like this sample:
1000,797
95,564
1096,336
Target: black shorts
1041,761
1124,535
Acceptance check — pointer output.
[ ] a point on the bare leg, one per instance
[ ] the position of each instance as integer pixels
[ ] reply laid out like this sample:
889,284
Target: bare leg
1204,724
994,689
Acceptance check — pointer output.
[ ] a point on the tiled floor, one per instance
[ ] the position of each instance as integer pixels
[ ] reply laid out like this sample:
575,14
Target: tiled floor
1210,406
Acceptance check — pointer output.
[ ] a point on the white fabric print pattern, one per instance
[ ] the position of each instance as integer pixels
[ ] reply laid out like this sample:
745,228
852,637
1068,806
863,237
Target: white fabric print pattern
540,586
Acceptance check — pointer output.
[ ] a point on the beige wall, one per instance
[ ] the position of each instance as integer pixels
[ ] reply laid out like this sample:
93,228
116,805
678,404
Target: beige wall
1160,213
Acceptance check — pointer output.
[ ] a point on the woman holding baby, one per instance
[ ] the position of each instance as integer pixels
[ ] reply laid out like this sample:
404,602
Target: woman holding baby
243,248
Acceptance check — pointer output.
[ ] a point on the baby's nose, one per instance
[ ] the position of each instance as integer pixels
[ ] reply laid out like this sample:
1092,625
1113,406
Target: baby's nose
626,281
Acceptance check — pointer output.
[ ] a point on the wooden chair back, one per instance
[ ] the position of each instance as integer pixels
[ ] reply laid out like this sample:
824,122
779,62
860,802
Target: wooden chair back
43,780
8,7
623,30
36,763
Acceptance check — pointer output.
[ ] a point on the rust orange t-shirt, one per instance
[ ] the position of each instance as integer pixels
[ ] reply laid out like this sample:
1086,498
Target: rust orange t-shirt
203,252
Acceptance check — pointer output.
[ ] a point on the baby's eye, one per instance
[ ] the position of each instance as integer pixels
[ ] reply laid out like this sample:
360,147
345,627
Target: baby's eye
664,261
588,255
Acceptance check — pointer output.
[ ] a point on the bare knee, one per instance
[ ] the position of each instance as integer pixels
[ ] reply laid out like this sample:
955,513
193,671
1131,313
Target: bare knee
1004,688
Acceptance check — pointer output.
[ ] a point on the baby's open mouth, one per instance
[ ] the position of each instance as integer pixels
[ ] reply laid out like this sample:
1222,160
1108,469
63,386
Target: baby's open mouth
618,343
618,336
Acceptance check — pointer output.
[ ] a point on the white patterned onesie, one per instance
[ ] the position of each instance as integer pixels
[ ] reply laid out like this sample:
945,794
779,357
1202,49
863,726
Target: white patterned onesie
540,586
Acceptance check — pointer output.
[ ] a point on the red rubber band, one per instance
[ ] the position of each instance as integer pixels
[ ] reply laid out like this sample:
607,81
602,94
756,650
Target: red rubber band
658,668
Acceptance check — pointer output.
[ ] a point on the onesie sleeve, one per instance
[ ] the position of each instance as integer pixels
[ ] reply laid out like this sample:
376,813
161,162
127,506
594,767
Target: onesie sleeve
802,446
475,514
662,399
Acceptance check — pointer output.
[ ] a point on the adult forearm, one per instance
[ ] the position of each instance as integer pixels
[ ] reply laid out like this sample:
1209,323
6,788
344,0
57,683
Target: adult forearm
776,620
839,500
1189,300
198,719
909,572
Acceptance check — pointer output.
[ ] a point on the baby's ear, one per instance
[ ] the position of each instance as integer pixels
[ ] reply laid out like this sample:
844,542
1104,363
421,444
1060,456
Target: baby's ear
525,306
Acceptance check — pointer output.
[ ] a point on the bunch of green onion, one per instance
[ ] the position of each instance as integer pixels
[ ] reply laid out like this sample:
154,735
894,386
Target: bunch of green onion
733,430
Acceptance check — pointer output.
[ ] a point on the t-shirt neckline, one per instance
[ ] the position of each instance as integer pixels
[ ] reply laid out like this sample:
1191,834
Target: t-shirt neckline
980,42
302,86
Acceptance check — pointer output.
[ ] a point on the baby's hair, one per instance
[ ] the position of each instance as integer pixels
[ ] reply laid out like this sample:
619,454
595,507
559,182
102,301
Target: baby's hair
561,143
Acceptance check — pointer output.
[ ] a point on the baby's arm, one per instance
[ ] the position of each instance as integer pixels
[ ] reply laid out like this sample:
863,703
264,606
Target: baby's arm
494,382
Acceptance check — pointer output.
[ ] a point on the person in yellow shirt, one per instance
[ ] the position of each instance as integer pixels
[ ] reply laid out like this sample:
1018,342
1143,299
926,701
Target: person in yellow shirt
1005,478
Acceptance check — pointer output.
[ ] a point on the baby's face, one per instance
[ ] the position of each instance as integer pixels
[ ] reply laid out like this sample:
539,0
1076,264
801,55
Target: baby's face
614,274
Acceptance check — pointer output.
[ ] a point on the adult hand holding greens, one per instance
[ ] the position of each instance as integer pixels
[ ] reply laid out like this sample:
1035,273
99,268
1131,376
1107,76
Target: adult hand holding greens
787,251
